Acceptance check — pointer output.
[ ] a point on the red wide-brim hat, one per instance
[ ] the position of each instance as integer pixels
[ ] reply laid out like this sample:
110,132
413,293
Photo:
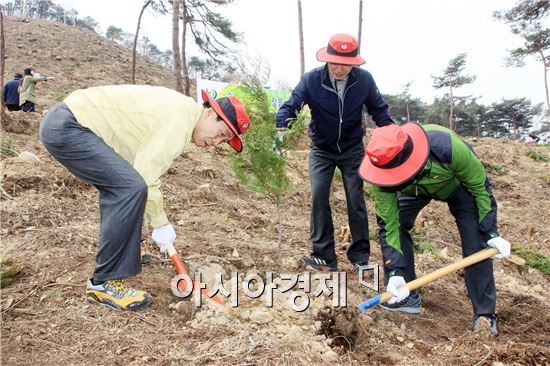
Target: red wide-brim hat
390,177
236,142
324,56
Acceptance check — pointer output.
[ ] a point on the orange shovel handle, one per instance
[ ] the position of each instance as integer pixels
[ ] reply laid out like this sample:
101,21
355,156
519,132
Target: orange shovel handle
180,269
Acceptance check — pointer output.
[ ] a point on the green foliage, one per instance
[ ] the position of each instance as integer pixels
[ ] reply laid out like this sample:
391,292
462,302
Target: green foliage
494,168
8,271
113,33
7,148
367,189
534,258
337,175
422,245
258,166
452,75
537,155
61,96
510,117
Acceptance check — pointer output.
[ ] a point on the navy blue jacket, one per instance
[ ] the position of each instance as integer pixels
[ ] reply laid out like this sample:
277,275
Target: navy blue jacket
335,126
11,94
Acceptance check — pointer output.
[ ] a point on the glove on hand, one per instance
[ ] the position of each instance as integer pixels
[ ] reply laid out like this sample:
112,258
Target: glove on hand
398,295
164,236
278,141
502,245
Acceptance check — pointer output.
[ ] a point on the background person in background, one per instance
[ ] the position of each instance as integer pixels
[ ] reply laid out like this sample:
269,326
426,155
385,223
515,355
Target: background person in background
336,93
10,98
27,91
411,165
121,139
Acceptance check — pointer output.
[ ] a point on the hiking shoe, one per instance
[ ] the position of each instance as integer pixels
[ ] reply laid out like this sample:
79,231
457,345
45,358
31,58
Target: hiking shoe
411,305
116,296
317,263
145,258
486,324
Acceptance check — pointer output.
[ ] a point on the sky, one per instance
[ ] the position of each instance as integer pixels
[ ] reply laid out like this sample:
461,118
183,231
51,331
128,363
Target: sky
403,41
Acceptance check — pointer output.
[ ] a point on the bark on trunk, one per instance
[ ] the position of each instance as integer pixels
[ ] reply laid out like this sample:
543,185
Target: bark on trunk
187,81
134,47
360,27
176,45
545,79
451,124
301,34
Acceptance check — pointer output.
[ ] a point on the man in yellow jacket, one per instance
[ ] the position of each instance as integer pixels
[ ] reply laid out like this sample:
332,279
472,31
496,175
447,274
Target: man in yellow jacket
122,139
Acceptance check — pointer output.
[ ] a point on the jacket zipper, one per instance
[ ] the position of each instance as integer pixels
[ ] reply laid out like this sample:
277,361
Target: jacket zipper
340,110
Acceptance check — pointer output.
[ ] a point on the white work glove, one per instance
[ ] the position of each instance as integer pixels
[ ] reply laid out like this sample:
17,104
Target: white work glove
502,245
164,236
398,295
278,141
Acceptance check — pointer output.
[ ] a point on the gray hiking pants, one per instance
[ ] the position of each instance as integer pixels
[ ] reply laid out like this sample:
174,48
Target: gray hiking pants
321,173
480,282
122,190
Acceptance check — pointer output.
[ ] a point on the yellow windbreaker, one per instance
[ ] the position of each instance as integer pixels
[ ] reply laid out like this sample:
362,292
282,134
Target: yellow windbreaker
148,126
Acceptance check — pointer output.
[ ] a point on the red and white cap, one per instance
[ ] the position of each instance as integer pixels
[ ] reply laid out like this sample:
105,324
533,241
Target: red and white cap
233,113
342,49
395,154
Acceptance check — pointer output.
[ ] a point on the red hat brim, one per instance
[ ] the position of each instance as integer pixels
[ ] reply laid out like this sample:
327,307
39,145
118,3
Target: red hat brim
324,56
408,169
236,142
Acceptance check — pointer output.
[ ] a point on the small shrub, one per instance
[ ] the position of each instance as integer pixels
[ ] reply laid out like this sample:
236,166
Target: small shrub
7,148
337,175
539,156
422,245
494,168
8,271
534,258
367,190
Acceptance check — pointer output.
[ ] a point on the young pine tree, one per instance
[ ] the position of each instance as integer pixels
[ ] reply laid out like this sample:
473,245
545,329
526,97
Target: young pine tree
261,165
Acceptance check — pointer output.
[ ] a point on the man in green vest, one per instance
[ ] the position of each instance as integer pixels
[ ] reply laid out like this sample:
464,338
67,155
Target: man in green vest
409,166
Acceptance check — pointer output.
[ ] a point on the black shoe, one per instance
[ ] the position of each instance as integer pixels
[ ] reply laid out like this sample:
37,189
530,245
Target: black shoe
486,324
145,258
411,305
317,263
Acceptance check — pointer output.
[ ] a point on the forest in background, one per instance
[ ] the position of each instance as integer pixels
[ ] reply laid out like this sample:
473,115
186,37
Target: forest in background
203,23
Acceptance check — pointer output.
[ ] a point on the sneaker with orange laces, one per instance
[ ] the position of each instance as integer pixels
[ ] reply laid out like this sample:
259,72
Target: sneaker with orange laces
114,295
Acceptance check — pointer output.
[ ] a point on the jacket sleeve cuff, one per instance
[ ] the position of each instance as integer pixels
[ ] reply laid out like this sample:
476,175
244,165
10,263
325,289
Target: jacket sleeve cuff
159,220
396,272
490,235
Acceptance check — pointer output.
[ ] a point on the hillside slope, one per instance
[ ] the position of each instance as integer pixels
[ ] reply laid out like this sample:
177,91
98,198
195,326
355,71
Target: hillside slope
76,57
50,224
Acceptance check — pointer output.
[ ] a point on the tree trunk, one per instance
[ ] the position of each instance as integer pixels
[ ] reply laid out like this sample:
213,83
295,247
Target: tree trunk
545,79
360,27
176,44
280,229
408,114
451,124
136,40
301,35
187,82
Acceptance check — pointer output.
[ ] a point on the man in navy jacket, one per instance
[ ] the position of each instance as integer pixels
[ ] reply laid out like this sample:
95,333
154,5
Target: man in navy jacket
336,94
11,93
